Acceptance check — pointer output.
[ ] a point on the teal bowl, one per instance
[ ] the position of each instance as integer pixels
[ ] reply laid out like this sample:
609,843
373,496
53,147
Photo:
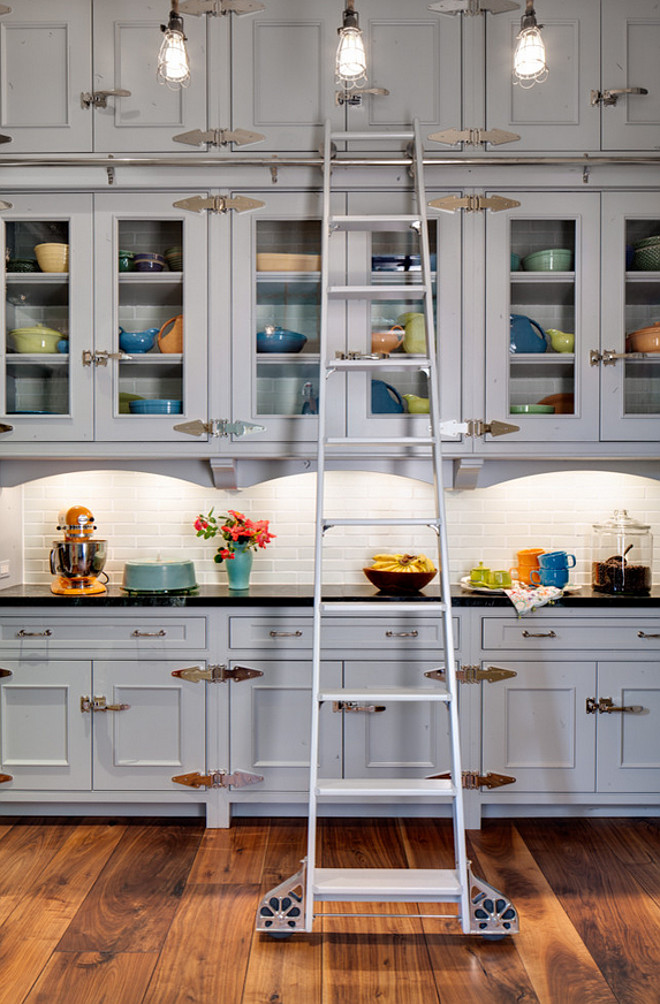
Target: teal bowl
552,260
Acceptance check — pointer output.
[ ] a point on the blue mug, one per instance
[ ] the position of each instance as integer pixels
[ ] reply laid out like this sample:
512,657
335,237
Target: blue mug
557,559
549,577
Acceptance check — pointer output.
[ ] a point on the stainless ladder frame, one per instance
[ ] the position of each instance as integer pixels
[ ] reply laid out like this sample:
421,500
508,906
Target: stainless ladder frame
289,907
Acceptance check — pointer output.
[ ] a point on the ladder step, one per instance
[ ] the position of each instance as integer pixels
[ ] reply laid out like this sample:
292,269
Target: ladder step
432,521
386,885
412,291
386,604
380,441
414,787
404,695
398,221
412,362
340,136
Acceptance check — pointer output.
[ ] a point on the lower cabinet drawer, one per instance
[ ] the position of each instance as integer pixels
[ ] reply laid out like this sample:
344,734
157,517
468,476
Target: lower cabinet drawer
42,633
636,635
358,633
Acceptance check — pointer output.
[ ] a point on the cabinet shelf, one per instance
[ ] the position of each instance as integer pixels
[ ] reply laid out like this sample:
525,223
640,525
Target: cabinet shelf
273,358
38,289
41,359
163,288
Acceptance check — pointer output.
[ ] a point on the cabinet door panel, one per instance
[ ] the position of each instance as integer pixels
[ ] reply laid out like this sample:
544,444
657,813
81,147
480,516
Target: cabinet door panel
557,114
127,38
405,740
628,749
160,734
45,65
44,735
631,41
270,725
536,729
283,61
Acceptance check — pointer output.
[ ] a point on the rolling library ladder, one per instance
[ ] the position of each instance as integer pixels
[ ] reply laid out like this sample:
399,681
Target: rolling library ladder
290,906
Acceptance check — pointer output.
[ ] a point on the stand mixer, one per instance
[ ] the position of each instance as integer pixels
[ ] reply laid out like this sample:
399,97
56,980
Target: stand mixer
77,561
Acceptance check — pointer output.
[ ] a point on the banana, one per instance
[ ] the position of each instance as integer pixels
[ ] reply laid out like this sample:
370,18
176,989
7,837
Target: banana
402,563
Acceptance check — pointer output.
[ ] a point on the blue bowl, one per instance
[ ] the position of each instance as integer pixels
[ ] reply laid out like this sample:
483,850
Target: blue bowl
279,340
157,406
148,261
137,341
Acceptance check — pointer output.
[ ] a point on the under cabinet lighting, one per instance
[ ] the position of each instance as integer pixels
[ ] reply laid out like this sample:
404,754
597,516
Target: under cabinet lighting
529,65
351,60
173,66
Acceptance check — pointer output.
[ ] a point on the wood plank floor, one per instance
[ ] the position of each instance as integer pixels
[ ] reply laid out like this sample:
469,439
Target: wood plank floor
122,911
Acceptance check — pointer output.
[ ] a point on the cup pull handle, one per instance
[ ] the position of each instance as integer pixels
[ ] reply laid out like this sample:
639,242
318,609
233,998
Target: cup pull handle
401,634
285,634
34,634
148,634
643,634
539,634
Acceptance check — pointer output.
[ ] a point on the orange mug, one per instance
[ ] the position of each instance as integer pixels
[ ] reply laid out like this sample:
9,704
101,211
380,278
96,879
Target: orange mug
528,559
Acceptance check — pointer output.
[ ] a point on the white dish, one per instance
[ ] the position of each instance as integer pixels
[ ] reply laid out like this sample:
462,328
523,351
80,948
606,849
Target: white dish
467,585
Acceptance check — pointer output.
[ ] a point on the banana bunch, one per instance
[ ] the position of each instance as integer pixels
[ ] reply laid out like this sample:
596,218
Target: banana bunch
403,563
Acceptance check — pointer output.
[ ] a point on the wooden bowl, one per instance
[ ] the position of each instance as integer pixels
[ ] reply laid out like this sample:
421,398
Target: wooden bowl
645,340
398,582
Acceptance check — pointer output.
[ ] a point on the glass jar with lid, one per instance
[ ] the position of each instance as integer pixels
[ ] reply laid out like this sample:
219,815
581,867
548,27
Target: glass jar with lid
621,555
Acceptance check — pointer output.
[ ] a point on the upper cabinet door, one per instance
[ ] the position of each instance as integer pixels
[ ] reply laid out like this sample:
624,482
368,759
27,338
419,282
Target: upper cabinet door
557,114
127,38
283,61
631,42
45,65
416,56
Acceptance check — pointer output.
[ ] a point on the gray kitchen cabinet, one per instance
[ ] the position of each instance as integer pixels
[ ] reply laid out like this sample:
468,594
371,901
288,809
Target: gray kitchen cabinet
594,47
56,60
283,71
81,388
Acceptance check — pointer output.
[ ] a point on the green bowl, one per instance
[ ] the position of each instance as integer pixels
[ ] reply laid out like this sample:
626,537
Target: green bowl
22,265
552,260
647,259
531,409
125,261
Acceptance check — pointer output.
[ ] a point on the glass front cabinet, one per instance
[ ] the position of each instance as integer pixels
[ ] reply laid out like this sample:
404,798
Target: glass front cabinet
104,318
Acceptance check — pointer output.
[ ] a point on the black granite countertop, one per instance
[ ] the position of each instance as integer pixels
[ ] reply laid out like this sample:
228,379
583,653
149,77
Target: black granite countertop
296,596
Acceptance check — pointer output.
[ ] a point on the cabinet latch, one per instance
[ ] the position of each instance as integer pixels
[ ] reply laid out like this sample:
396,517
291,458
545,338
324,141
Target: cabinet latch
473,7
472,779
219,203
216,674
474,137
608,357
474,674
218,779
354,97
353,706
100,704
607,98
99,99
216,8
219,137
606,706
473,203
218,427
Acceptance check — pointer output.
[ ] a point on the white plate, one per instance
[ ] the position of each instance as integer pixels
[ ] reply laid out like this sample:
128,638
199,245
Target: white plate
467,585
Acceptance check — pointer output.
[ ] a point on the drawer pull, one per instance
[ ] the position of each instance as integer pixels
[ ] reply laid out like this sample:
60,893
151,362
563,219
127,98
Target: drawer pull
148,634
401,634
643,634
34,634
539,634
285,634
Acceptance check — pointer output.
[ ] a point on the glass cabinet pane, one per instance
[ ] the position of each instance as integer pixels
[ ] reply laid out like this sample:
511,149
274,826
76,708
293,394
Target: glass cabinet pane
641,381
287,316
37,317
151,336
543,341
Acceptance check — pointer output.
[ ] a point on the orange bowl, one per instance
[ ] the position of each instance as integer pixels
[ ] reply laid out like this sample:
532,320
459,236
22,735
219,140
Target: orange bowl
398,582
645,340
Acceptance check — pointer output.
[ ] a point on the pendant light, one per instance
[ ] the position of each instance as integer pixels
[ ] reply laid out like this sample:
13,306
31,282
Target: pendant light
173,66
351,60
529,65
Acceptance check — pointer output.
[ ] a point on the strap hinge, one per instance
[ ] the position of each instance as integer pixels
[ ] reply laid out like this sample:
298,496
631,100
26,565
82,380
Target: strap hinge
218,137
477,427
5,777
216,674
473,7
218,427
473,674
218,779
473,203
474,137
219,203
472,779
218,8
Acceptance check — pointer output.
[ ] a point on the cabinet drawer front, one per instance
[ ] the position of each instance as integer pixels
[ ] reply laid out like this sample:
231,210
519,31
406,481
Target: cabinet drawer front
642,635
28,633
362,633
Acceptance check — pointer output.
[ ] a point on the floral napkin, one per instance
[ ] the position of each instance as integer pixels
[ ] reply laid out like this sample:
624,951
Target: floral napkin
526,599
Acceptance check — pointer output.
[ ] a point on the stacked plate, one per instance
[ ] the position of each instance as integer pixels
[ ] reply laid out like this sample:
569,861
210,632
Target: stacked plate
647,254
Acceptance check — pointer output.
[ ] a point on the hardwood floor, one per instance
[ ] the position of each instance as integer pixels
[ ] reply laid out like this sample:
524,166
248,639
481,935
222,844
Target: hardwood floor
162,912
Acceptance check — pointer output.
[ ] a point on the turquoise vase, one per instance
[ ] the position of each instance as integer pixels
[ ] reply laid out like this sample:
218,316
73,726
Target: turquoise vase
239,568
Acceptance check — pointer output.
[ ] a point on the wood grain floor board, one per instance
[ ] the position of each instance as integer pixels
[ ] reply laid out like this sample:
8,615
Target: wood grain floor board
556,960
24,853
93,978
205,957
235,856
286,847
137,895
616,919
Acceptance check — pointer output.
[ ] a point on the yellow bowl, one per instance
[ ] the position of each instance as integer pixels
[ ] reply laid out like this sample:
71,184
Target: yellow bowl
27,340
52,257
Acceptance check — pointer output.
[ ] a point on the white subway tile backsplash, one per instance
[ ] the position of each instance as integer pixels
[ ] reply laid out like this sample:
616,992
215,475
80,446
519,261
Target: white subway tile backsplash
144,515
